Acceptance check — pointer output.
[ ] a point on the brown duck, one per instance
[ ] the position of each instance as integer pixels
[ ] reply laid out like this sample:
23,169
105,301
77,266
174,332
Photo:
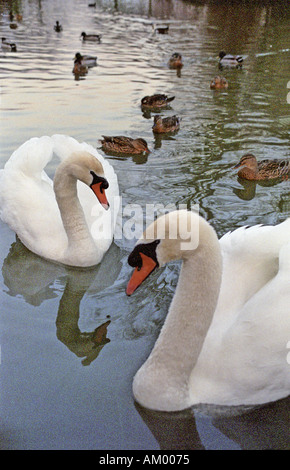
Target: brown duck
219,83
125,145
169,124
253,170
175,61
156,101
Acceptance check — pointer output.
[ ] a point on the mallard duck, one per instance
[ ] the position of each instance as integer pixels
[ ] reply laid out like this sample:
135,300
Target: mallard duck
156,101
8,46
87,60
79,68
13,26
91,37
162,125
17,16
219,83
122,144
57,27
228,60
161,29
175,61
253,170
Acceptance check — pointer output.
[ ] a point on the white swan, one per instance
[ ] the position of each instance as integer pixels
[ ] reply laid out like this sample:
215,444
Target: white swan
62,220
224,340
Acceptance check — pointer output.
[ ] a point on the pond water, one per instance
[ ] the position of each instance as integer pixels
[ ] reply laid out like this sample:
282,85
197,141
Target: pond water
71,340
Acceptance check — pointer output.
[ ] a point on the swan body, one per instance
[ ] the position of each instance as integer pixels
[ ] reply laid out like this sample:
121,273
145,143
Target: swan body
61,220
224,340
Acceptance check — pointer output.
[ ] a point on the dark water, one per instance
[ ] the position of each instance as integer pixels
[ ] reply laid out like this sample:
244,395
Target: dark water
71,341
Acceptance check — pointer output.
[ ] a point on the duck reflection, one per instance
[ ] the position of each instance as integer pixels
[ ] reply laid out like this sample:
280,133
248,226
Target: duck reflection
37,280
247,191
258,428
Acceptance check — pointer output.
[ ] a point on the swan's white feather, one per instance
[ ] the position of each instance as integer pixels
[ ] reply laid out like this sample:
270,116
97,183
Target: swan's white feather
28,204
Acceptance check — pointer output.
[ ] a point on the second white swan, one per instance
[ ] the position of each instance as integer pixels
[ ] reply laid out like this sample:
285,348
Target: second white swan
225,337
62,220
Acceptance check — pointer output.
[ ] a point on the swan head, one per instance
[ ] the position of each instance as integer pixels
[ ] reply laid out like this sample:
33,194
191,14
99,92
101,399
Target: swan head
86,168
172,236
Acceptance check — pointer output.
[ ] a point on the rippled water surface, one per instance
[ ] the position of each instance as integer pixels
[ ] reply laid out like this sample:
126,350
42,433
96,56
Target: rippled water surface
71,341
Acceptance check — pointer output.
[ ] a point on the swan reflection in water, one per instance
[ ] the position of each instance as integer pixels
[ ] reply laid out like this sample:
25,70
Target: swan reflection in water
264,427
35,279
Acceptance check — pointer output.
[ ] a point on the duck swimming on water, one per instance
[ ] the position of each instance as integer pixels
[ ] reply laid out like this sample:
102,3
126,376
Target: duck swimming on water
228,60
124,145
253,170
163,125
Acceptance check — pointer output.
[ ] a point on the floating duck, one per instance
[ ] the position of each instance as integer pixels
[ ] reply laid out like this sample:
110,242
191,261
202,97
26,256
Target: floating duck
79,68
228,60
253,170
17,16
219,83
168,124
160,29
91,37
175,61
224,338
87,60
156,101
125,145
57,27
8,46
92,4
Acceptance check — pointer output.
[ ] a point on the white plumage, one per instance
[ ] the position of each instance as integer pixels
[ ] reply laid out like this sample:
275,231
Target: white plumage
28,203
224,341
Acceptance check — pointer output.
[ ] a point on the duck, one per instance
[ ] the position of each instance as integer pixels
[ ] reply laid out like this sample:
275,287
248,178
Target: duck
88,60
79,68
163,125
57,27
17,16
219,83
13,26
91,37
158,100
224,339
69,220
8,46
251,169
175,61
160,29
229,60
122,144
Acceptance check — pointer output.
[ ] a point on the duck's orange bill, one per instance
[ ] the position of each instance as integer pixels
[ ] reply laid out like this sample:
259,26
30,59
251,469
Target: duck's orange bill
101,195
139,274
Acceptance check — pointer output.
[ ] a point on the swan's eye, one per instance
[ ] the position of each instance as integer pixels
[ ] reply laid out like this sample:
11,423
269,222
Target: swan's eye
148,249
99,179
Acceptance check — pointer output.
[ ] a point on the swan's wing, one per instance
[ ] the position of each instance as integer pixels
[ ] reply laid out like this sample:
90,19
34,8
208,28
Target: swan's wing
250,260
244,357
27,200
31,157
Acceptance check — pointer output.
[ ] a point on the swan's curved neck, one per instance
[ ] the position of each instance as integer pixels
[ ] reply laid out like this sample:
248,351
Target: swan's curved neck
177,349
72,214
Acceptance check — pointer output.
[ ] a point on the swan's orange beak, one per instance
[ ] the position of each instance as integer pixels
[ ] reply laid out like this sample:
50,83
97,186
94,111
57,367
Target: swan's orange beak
140,274
101,195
